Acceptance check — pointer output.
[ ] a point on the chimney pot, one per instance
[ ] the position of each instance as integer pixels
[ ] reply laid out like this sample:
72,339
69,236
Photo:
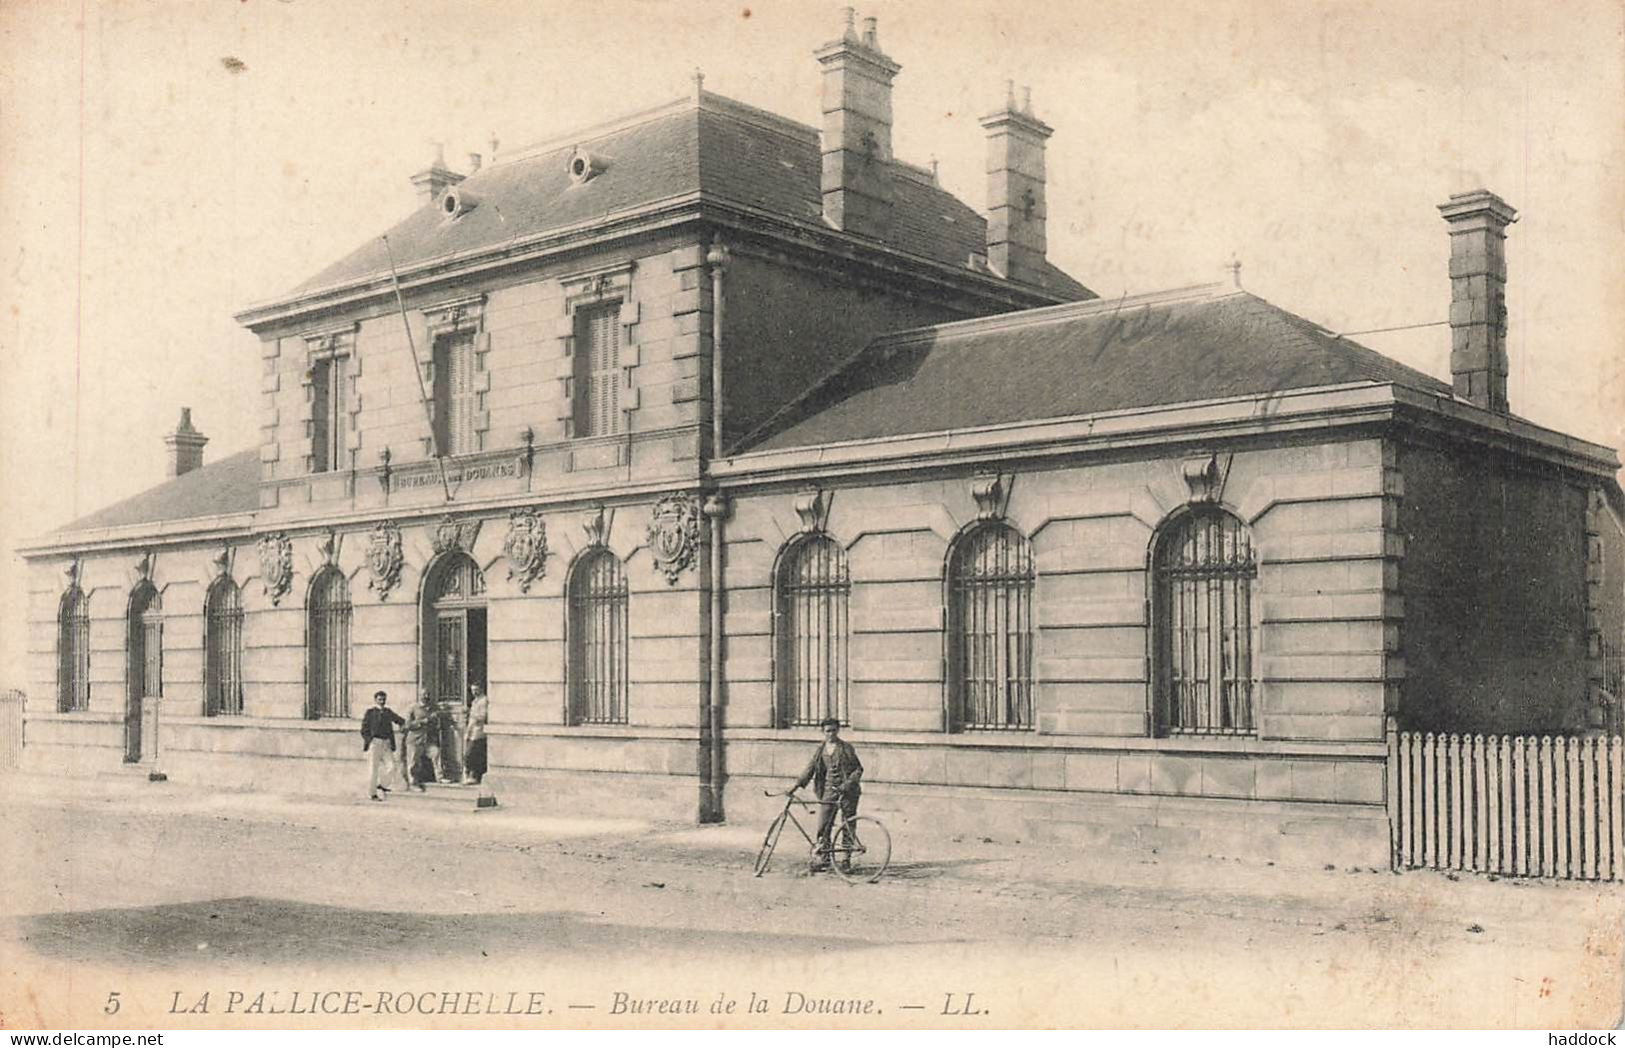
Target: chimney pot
185,446
857,140
473,162
435,179
871,33
1478,327
1016,213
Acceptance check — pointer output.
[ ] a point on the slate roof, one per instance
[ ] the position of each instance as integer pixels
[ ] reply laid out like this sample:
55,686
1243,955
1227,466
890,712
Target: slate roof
230,485
722,150
1076,359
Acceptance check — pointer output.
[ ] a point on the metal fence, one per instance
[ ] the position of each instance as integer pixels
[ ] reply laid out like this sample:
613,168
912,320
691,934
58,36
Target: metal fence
1528,806
11,729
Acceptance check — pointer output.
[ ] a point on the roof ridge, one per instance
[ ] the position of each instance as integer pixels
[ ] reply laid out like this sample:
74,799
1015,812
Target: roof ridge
1064,311
707,101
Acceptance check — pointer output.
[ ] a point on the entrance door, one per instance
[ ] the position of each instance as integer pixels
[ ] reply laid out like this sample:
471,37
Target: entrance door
145,672
454,655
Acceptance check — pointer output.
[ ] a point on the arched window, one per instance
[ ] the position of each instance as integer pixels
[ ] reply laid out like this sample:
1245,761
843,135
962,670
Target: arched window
329,646
73,652
1203,619
990,631
223,649
810,607
597,667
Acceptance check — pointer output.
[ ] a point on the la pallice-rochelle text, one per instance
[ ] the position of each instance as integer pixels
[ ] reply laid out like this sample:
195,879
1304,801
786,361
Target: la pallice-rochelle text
360,1002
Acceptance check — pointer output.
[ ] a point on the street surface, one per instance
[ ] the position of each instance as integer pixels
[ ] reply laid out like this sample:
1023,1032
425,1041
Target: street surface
133,904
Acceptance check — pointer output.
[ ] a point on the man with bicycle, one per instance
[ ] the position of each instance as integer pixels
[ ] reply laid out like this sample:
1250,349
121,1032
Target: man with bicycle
836,775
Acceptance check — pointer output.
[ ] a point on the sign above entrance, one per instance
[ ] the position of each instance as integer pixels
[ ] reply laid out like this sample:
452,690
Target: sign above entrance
427,474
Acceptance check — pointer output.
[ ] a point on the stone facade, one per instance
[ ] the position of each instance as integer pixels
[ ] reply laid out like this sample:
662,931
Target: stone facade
1412,558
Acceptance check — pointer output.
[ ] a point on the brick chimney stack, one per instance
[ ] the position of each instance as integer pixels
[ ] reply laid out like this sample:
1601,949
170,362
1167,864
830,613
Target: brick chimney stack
185,446
1016,240
1478,310
435,179
857,130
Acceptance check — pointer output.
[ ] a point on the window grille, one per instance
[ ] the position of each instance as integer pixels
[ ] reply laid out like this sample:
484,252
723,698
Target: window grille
597,675
328,419
990,634
598,370
1203,615
456,396
73,652
811,620
329,646
223,650
146,643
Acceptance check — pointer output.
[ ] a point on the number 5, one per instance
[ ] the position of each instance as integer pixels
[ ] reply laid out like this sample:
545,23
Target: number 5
112,1003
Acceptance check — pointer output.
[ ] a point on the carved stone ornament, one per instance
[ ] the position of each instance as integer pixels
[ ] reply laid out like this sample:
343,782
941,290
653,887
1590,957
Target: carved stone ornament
674,534
144,565
328,547
276,565
73,571
221,562
384,558
992,494
596,523
812,506
525,547
449,533
1203,477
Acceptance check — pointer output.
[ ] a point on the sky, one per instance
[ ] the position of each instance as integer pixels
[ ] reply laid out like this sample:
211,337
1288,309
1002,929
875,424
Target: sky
167,163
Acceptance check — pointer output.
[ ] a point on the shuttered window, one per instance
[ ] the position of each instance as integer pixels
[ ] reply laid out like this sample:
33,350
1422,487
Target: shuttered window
597,668
456,396
223,650
1203,610
990,631
328,643
598,376
73,652
329,420
810,620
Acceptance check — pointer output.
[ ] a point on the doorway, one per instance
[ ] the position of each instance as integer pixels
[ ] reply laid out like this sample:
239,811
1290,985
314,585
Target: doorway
145,672
453,641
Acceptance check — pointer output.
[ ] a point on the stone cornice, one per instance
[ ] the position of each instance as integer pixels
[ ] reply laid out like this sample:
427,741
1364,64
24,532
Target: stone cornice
1289,411
645,220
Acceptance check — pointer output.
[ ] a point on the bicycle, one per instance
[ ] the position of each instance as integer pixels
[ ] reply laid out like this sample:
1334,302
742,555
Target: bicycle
863,850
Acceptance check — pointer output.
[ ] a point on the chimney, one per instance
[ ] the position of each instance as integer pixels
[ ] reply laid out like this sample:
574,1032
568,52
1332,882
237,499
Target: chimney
185,446
1478,309
1016,241
857,130
473,163
435,179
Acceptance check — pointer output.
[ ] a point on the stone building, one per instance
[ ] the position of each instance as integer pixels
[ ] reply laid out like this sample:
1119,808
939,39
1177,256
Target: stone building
680,433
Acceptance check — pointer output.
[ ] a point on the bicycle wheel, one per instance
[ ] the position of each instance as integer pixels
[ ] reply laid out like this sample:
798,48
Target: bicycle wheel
769,842
862,849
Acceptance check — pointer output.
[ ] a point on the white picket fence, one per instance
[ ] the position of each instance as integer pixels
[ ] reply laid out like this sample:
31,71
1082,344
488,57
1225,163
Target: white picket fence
1523,806
11,729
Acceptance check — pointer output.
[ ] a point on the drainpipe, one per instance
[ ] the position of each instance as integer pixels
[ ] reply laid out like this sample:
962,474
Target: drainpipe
716,508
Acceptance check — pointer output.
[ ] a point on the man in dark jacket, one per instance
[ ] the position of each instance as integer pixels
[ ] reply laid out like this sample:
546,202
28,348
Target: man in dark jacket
378,742
836,775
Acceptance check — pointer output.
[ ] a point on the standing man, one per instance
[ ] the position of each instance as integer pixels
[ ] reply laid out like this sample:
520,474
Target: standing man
836,775
415,764
479,712
378,742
